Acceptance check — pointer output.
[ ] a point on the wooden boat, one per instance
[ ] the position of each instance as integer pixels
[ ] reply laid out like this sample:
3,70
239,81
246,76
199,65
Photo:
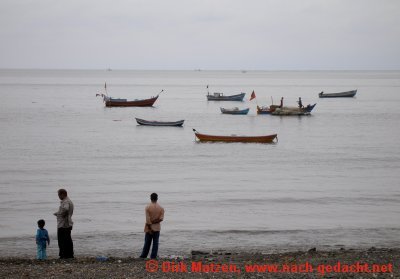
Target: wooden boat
234,138
263,110
290,111
221,97
235,110
294,110
159,123
347,94
113,102
285,110
117,102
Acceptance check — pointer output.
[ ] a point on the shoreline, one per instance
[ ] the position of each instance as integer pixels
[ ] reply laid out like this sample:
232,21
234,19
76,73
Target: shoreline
380,263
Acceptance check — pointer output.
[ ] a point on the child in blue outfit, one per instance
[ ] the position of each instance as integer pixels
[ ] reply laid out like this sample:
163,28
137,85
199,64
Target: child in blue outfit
42,237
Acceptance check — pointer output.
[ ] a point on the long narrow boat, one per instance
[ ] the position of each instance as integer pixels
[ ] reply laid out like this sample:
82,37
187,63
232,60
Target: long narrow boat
297,111
294,110
235,111
112,102
347,94
118,102
221,97
234,138
290,111
159,123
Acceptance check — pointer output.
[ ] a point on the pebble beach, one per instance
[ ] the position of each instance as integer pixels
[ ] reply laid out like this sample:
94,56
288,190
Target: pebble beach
322,263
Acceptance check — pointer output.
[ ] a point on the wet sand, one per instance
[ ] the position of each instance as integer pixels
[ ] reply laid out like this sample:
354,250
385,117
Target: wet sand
220,264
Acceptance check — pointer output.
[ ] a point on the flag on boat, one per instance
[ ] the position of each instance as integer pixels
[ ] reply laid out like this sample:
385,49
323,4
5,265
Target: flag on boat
253,95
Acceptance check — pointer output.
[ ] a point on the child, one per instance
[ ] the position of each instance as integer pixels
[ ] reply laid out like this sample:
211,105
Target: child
42,237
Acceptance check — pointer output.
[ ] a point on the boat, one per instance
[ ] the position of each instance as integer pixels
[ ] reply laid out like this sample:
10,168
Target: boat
346,94
290,111
285,110
264,110
293,110
116,102
235,138
221,97
235,110
159,123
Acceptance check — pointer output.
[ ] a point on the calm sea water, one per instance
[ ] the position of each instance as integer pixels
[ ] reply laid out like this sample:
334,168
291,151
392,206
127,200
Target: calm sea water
332,180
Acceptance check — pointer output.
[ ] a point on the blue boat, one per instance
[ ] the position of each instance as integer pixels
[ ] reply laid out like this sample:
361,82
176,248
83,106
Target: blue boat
235,110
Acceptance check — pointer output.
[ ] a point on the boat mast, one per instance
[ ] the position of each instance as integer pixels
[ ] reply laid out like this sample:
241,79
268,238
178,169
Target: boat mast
105,88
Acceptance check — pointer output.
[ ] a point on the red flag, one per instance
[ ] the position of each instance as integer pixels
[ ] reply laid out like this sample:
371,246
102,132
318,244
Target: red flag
253,95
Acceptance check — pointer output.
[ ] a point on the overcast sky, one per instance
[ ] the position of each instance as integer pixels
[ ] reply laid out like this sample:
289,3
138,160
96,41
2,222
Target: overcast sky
200,34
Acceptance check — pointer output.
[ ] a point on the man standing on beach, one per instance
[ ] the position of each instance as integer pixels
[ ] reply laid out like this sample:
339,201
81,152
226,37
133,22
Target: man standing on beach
154,216
64,225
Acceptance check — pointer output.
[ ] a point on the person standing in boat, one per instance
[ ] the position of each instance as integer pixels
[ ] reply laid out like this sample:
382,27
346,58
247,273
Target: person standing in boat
154,216
281,106
300,103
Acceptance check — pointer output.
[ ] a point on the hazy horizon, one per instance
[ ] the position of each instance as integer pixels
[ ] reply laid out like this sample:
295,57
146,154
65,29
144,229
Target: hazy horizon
215,70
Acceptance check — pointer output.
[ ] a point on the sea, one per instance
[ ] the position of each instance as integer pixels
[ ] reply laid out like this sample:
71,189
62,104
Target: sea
331,181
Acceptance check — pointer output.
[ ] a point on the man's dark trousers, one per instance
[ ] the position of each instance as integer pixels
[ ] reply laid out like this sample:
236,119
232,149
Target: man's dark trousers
148,238
65,243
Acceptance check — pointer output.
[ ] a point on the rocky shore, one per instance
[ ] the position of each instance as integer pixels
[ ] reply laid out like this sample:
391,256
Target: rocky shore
343,263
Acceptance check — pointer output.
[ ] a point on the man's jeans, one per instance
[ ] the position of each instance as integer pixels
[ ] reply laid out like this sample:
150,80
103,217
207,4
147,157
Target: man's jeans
148,238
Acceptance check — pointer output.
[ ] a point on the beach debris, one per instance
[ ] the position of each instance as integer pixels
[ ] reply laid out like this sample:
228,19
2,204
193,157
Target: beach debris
101,258
196,253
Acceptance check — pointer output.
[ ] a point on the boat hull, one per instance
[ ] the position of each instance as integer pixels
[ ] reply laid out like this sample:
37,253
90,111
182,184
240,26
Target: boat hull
294,110
276,110
237,97
263,110
347,94
235,112
137,103
255,139
160,123
286,111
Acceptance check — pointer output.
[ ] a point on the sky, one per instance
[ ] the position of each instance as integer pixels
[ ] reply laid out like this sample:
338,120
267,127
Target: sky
200,34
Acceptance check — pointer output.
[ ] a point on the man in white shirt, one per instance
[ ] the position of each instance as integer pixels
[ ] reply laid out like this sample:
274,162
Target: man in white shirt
64,225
